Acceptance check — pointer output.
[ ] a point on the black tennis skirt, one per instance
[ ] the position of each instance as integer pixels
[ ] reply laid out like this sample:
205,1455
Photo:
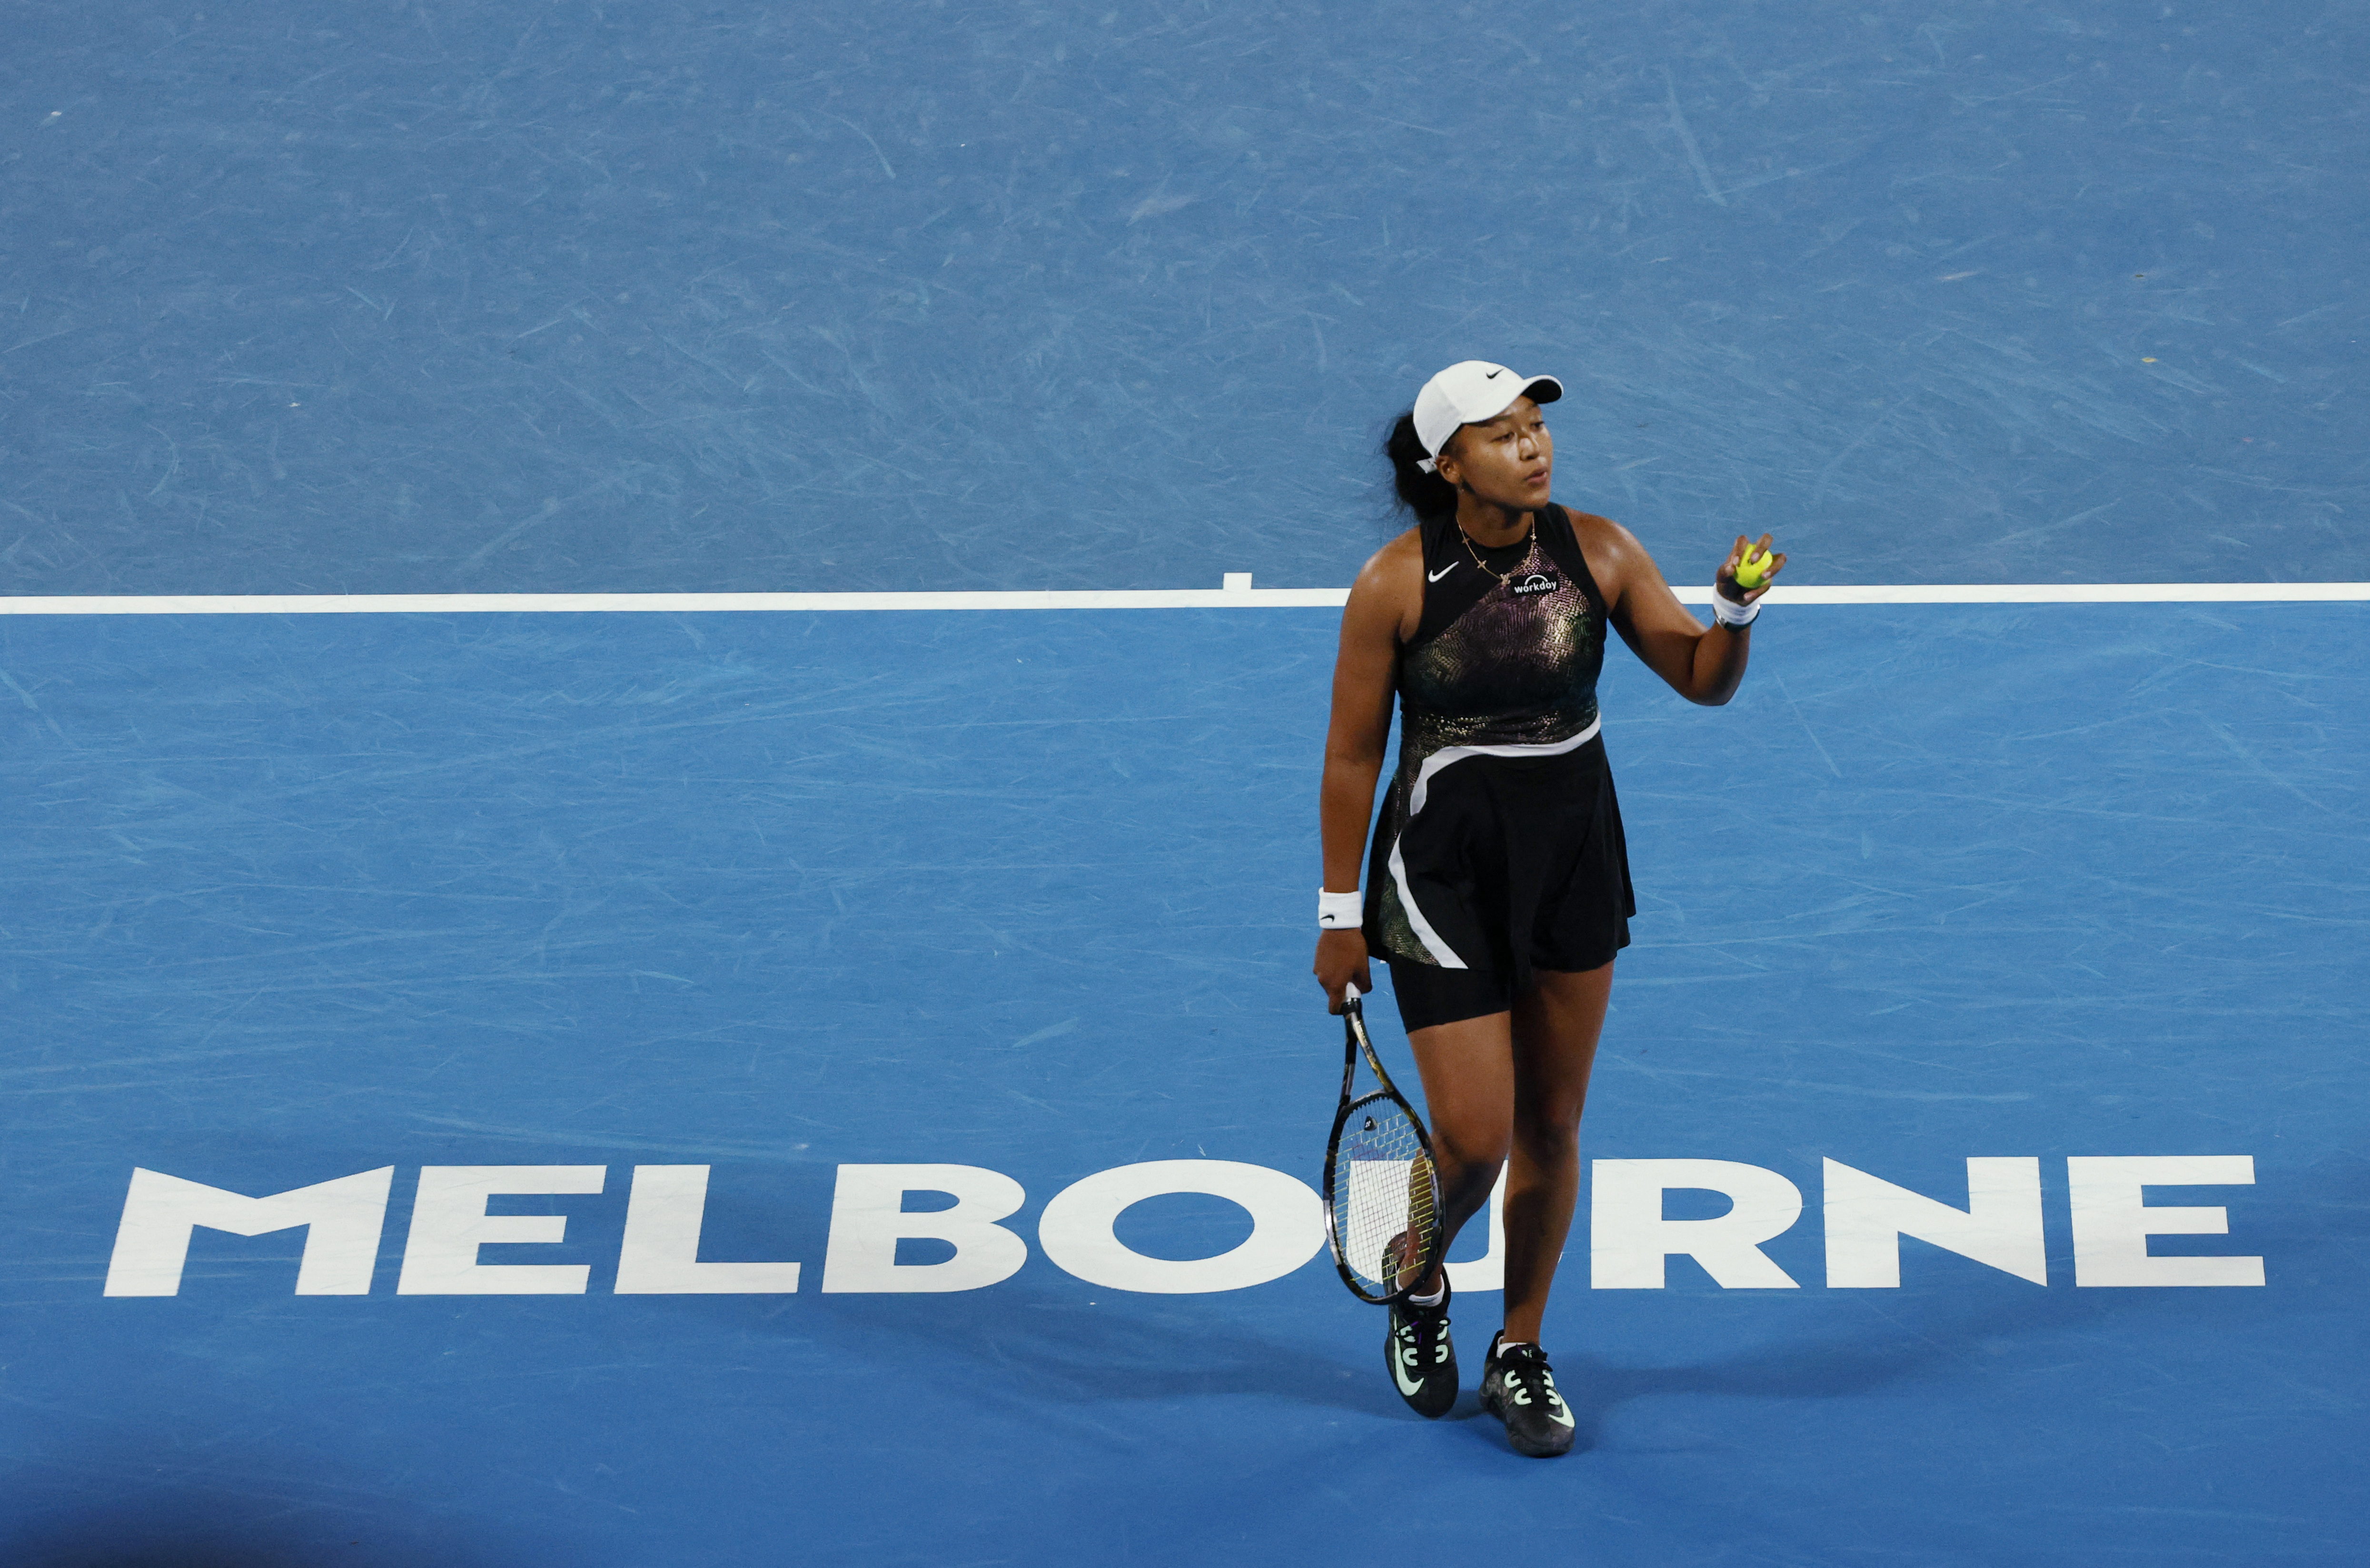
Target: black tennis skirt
1513,864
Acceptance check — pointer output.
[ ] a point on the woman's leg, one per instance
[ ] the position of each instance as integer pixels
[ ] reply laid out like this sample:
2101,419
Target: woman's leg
1553,1047
1468,1092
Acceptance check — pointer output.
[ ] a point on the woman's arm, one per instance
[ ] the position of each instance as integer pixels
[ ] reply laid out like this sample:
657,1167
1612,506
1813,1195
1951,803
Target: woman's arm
1373,625
1702,665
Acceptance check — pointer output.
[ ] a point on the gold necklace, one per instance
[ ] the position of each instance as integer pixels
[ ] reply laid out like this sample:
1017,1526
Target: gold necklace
1530,537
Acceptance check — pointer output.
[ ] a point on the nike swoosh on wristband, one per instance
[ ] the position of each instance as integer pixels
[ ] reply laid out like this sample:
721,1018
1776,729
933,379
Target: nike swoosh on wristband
1436,576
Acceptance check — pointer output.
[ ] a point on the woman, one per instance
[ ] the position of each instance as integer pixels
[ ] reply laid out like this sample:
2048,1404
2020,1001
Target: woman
1498,886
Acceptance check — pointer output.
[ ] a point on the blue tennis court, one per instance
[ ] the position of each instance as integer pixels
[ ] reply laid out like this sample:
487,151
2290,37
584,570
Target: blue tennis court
830,1084
313,896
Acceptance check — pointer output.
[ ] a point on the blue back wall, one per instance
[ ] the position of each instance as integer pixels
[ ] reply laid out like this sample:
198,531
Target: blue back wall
517,296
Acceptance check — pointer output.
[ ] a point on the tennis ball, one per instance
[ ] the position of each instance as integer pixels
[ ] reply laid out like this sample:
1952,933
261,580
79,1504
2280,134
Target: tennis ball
1752,569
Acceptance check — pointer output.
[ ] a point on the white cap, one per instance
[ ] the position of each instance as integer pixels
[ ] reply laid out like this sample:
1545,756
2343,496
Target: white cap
1469,393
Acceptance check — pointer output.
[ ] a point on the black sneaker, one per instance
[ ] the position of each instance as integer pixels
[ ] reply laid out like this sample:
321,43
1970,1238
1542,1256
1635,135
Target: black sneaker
1519,1389
1423,1361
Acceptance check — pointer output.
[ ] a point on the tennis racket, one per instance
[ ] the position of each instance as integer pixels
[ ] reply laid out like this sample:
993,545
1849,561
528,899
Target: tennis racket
1382,1191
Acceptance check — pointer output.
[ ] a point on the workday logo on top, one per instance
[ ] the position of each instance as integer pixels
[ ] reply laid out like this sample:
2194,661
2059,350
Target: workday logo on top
1631,1243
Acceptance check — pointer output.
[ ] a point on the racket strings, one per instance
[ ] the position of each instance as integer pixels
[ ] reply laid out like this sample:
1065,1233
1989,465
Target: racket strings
1385,1210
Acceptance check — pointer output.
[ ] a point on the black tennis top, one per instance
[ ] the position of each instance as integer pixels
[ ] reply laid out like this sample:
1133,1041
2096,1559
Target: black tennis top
1510,645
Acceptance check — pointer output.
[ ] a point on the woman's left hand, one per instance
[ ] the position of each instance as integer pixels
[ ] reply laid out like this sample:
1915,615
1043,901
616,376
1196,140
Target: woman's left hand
1725,584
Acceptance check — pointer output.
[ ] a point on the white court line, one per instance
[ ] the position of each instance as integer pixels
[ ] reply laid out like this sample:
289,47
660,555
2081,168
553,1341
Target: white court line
1120,599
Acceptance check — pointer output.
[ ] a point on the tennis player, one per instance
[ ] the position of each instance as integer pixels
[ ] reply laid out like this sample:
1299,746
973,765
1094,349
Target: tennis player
1498,884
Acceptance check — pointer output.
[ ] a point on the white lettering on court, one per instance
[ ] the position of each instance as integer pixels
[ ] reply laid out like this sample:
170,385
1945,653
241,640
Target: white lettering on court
449,1223
341,1220
868,1218
1287,1226
660,1252
1486,1272
1629,1241
1867,1217
2113,1221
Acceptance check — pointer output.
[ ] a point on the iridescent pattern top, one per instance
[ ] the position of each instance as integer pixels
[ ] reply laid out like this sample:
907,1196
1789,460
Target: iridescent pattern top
1508,660
1502,672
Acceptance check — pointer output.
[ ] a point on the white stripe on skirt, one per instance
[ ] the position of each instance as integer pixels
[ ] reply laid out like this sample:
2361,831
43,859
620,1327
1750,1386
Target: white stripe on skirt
1442,953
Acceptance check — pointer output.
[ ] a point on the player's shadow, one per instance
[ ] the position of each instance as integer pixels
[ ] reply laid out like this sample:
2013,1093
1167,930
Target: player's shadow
1043,1337
1048,1345
199,1536
94,1546
2315,1239
1594,1388
120,1518
1046,1342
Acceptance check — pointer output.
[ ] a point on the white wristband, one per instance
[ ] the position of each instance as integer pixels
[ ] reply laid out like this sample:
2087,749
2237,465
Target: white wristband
1340,912
1729,613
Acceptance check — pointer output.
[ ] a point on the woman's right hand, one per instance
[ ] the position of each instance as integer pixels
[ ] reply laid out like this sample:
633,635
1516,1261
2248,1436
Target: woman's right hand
1342,961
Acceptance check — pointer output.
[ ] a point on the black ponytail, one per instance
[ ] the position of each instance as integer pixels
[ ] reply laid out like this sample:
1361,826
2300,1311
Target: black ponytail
1429,495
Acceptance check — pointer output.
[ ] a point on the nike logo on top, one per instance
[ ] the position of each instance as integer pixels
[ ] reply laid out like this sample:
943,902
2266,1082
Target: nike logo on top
1436,576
